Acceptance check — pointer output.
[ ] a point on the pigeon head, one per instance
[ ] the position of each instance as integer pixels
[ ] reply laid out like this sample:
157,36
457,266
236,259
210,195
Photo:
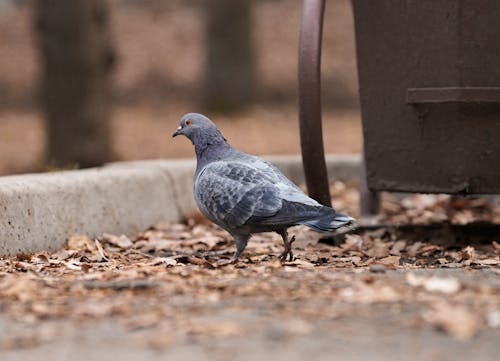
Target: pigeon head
200,130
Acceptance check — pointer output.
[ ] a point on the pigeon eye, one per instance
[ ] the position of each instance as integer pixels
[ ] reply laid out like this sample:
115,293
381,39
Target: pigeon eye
188,122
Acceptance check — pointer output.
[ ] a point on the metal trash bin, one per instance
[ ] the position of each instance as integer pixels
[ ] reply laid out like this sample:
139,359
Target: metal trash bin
429,79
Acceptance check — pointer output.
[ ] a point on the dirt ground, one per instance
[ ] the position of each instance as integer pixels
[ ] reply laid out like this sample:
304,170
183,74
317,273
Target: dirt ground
277,323
163,294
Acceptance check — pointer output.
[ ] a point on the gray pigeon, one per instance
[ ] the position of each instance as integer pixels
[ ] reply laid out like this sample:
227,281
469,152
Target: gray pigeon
244,194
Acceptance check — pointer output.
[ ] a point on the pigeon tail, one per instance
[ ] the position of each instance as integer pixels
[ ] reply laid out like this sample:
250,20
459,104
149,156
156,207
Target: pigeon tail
327,223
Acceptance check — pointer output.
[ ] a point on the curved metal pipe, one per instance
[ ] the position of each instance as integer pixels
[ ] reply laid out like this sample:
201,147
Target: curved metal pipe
309,83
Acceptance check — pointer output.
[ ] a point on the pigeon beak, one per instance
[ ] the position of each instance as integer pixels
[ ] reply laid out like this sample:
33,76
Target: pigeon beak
177,132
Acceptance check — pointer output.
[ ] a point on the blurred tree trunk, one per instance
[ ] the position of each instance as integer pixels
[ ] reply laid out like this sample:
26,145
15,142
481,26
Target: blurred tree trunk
230,66
76,61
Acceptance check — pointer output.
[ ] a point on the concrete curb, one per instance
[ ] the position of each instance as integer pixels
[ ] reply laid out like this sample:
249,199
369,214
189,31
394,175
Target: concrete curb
40,211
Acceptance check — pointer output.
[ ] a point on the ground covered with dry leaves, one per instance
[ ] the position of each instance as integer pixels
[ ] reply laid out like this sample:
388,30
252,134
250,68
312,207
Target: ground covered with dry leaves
394,293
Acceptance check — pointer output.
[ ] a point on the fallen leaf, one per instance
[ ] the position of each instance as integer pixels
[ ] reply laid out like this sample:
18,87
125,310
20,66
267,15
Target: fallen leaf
456,320
414,248
62,255
23,257
73,265
447,285
380,249
196,261
391,261
397,247
496,246
19,288
364,293
167,261
219,328
469,253
488,261
428,249
352,242
122,241
100,252
80,242
301,263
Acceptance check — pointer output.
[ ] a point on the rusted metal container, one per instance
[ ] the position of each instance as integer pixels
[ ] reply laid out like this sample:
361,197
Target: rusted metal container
429,75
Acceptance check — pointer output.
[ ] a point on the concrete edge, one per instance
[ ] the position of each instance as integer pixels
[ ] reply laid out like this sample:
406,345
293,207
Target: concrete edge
40,211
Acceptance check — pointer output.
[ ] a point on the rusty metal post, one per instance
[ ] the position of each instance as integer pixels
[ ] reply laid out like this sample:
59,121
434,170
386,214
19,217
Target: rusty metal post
311,134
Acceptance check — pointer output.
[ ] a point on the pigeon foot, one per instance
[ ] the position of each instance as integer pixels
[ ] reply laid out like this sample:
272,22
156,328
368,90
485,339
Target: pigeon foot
287,253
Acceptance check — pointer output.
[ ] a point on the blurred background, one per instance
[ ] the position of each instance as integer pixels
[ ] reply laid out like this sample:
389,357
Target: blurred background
84,82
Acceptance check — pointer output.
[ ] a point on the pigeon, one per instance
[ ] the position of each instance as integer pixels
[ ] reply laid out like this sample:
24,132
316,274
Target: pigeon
245,194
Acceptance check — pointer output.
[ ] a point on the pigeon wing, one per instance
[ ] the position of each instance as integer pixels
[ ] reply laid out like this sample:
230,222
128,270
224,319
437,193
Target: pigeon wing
230,193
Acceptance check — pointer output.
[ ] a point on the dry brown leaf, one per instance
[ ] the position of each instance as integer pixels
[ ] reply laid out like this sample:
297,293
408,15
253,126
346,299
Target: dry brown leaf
209,241
390,261
457,320
73,265
23,257
156,245
414,249
397,247
42,257
301,263
199,262
62,254
469,253
380,249
429,249
19,288
496,246
93,308
167,261
80,242
369,293
122,241
23,266
101,256
488,261
86,267
447,285
352,242
224,329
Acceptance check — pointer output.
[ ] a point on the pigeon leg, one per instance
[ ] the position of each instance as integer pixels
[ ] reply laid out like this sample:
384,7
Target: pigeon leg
241,243
287,253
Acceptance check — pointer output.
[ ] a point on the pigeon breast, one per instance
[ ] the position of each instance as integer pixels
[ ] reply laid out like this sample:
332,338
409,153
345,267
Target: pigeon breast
230,192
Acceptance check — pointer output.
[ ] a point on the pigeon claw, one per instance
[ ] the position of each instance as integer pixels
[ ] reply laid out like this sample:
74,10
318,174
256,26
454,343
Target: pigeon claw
284,255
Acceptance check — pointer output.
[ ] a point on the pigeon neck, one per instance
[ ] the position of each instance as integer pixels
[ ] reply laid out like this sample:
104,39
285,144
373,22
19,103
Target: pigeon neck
210,149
